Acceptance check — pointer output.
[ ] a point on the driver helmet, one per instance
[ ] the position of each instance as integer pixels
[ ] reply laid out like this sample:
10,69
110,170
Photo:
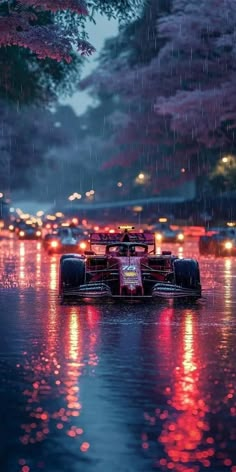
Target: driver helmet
123,250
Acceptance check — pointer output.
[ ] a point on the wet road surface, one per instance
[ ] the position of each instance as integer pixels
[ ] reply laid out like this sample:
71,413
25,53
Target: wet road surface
114,387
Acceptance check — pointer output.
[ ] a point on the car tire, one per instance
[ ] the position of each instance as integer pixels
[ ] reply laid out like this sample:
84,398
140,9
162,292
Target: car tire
72,273
187,274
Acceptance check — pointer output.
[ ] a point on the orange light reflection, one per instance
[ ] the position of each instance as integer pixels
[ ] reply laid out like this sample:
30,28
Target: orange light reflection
53,274
22,262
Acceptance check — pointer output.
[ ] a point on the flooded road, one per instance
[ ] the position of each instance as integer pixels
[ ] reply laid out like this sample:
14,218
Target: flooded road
115,387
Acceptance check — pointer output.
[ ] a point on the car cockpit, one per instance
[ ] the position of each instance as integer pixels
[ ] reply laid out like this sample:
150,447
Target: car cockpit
127,250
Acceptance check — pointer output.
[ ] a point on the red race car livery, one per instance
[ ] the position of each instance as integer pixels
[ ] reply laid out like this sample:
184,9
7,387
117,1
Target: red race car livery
127,269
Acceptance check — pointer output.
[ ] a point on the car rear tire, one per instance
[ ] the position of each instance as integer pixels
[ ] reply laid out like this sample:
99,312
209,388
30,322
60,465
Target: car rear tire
72,273
187,274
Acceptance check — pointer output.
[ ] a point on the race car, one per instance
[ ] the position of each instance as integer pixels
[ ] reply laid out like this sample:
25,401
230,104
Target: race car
48,238
63,240
220,243
165,234
127,270
29,231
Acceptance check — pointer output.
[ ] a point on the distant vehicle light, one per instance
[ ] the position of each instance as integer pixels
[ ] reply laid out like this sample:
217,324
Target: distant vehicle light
83,245
228,245
162,220
21,233
54,243
111,230
11,228
158,236
180,237
48,226
38,233
126,227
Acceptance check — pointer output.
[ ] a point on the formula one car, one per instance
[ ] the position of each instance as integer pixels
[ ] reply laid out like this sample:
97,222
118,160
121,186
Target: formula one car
165,234
221,243
127,270
63,241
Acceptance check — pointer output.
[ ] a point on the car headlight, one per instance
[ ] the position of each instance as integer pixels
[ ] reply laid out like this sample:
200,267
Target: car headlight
83,245
54,243
228,245
180,237
38,233
21,233
158,236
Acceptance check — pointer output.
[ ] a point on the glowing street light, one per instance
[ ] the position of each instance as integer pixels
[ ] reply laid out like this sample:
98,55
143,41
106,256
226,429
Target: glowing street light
141,176
74,196
119,184
1,195
225,159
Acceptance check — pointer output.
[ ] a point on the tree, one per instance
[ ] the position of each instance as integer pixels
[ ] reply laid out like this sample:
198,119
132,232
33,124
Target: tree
40,41
198,62
126,74
181,102
42,44
27,136
223,176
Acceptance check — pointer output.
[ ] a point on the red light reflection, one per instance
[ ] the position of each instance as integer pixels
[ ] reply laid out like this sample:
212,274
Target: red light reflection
56,373
184,432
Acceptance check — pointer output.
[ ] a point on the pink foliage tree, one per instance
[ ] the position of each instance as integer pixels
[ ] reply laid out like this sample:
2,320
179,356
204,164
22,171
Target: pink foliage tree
183,102
199,61
55,40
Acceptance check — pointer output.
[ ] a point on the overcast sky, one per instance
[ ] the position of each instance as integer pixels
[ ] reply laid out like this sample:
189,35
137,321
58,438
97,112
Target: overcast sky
98,33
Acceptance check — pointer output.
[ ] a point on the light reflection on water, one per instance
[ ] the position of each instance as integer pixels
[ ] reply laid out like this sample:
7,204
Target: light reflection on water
158,382
185,424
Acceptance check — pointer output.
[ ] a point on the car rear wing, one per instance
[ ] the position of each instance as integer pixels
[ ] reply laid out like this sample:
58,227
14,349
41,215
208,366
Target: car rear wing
102,239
